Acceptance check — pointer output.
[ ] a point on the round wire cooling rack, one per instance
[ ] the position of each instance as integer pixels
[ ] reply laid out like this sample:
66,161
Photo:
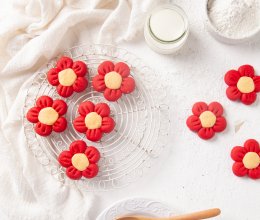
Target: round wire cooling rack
142,121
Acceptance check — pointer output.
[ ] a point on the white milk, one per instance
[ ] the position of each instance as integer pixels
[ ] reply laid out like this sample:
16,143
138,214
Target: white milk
167,25
166,29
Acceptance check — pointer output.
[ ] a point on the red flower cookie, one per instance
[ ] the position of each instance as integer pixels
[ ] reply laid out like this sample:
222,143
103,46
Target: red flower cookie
207,119
113,80
47,114
80,160
68,76
247,159
243,84
94,120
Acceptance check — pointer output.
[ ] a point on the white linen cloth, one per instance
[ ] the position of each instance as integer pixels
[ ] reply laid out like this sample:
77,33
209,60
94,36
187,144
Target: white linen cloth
32,32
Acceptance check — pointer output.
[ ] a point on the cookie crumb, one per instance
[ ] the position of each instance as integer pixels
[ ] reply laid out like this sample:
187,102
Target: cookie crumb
238,126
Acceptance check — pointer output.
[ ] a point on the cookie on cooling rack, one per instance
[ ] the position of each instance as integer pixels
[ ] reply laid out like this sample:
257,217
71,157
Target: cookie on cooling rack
80,160
48,115
94,120
113,80
68,76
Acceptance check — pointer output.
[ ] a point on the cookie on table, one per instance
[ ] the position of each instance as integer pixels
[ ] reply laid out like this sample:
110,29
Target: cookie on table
113,80
247,159
47,115
243,84
206,119
80,160
94,120
68,76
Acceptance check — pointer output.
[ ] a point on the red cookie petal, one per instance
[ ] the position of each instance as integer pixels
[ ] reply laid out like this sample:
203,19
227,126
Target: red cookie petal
73,173
60,106
86,107
233,93
32,114
42,129
94,134
78,147
216,108
65,158
80,84
93,154
44,101
239,169
252,145
232,77
108,125
246,70
64,91
193,123
238,153
220,124
91,171
79,124
53,76
206,133
199,107
128,85
60,125
99,83
248,98
112,94
105,67
257,83
123,69
254,173
64,63
80,68
102,109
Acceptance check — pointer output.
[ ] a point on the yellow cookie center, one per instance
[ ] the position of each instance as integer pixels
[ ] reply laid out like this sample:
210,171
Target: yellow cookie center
93,120
48,116
113,80
67,77
80,161
207,119
246,84
251,160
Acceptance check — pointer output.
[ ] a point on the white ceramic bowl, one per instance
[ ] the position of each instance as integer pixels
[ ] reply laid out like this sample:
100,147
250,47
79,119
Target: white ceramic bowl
222,38
136,206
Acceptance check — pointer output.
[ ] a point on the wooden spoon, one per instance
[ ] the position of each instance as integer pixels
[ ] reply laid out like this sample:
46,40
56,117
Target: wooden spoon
192,216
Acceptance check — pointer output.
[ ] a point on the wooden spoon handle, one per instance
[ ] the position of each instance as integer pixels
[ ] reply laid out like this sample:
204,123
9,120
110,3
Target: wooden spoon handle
198,215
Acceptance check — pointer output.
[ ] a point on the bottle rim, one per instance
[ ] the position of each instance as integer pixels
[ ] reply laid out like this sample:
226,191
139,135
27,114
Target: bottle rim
176,9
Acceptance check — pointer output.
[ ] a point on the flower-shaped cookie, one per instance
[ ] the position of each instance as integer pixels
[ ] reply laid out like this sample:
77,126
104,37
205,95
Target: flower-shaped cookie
94,120
47,114
113,80
206,119
68,76
243,84
80,160
247,159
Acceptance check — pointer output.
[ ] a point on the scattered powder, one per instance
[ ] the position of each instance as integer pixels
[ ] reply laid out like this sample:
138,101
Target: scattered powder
235,18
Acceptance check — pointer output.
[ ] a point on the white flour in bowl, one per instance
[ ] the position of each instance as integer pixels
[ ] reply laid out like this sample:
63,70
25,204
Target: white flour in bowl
235,18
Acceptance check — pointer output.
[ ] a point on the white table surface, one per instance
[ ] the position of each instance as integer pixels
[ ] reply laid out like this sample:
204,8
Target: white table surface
194,174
